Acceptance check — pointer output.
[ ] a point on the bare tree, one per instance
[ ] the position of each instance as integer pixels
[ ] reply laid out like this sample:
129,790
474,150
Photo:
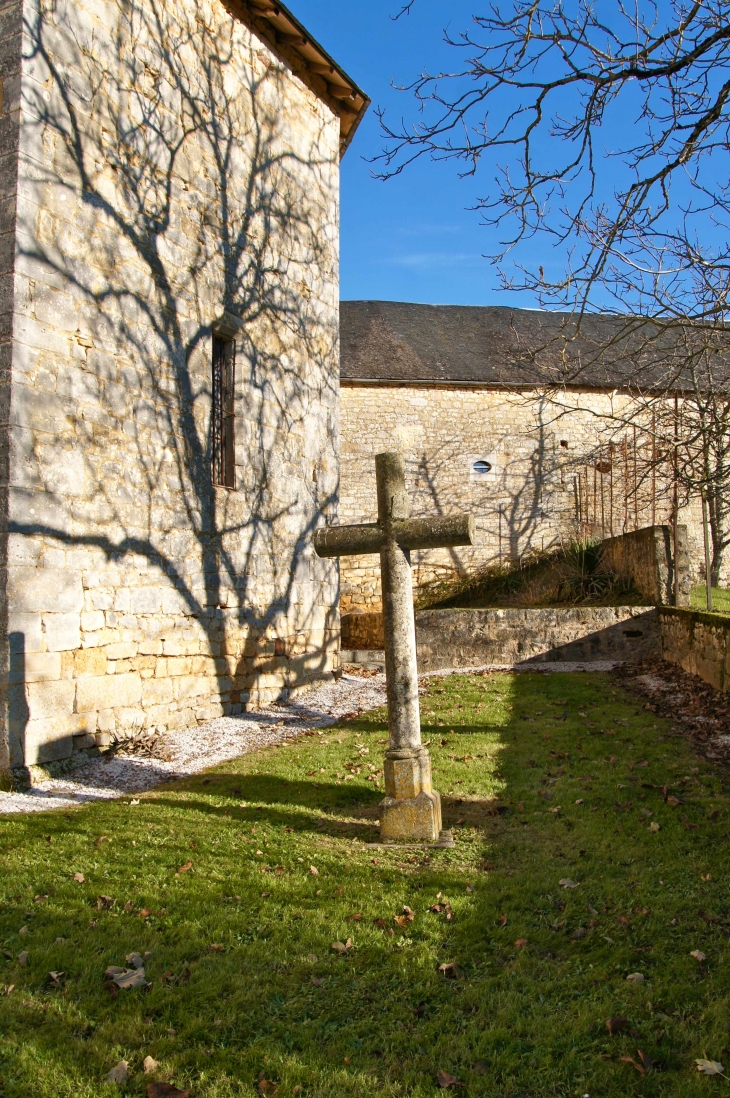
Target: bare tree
642,225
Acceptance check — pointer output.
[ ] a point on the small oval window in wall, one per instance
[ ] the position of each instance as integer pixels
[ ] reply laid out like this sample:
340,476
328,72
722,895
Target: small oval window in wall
481,467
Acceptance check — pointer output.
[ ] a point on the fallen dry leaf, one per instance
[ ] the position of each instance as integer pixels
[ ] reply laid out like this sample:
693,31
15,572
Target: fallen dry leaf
503,919
645,1060
565,882
314,871
674,801
165,1090
635,978
185,868
118,1073
23,958
341,947
135,960
521,943
615,1024
126,981
638,1067
654,826
445,1080
578,933
105,903
56,979
149,1065
356,917
102,839
451,971
79,878
709,1067
266,1086
698,955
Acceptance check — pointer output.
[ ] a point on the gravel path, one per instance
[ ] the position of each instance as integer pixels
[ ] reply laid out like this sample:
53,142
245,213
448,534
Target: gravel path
190,750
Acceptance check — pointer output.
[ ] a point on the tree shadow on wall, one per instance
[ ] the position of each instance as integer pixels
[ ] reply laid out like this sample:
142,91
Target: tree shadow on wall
165,197
511,509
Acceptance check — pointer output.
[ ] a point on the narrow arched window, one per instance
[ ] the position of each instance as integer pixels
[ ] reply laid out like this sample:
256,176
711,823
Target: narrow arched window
222,417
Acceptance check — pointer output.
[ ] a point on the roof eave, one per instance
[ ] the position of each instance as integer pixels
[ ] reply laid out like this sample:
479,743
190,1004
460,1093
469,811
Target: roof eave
504,386
293,43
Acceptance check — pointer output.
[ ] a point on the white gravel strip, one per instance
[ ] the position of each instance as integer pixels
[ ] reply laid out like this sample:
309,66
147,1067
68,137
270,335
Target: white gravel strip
194,749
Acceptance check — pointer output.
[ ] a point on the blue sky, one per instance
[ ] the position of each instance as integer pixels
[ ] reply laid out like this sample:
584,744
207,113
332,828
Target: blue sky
411,238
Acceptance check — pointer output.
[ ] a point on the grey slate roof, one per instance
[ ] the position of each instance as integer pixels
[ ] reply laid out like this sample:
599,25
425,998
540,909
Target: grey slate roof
496,345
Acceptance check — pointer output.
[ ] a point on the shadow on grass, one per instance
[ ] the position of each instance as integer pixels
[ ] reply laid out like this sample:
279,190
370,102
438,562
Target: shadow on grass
524,1016
254,797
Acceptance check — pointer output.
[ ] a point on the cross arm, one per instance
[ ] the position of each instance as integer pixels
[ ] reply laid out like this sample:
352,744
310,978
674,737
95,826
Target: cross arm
435,533
424,533
348,541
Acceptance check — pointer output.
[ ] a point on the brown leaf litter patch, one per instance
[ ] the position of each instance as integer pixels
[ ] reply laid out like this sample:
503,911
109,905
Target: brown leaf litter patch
697,710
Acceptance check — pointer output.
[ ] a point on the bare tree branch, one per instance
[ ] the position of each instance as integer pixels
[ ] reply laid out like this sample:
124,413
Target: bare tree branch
405,10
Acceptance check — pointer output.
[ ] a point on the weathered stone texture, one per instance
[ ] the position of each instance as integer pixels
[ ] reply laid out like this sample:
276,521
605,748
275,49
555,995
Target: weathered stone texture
192,189
527,502
646,558
698,642
473,638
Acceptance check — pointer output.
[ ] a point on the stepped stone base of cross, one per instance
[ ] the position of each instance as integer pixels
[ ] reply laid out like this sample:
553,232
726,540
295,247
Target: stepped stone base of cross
411,810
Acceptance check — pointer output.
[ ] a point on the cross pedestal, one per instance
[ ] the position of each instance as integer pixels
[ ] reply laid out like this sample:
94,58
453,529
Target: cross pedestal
411,810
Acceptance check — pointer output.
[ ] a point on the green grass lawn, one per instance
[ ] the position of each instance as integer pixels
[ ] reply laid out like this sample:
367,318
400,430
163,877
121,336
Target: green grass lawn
720,599
246,993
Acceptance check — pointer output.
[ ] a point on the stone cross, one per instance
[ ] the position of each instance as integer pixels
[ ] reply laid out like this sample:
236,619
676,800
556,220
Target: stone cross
411,809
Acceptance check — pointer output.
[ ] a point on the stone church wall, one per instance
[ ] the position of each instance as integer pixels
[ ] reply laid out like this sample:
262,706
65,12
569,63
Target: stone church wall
174,180
526,502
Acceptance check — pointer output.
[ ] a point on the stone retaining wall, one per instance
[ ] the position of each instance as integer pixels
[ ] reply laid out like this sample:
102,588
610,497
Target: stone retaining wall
698,642
646,557
469,638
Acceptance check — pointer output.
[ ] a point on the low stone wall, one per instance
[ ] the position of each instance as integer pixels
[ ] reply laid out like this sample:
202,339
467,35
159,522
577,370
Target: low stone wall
646,558
698,642
469,638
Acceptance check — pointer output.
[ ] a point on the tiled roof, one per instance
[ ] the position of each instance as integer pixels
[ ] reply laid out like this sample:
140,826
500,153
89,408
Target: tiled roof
392,341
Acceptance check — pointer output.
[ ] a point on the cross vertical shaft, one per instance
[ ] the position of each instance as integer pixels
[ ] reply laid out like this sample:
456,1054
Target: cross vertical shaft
399,626
411,808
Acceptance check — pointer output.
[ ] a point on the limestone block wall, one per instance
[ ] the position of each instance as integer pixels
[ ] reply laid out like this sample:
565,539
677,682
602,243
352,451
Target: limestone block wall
525,502
474,638
174,180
